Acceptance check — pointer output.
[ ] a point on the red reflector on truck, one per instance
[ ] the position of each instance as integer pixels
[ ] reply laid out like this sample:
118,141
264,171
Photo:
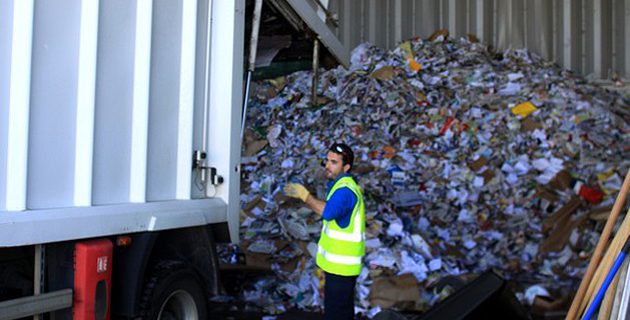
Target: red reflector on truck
92,279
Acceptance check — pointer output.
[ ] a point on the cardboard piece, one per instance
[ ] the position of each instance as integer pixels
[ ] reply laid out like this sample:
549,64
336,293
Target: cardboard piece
401,292
264,261
529,124
482,164
600,214
560,225
487,175
440,35
254,147
253,203
384,73
473,38
543,192
479,164
561,181
561,214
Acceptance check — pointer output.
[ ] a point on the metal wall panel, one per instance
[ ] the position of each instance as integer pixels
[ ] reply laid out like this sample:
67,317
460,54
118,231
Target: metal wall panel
6,39
353,19
621,46
426,23
598,17
406,20
163,101
114,102
509,16
378,13
54,85
171,100
587,36
540,27
394,22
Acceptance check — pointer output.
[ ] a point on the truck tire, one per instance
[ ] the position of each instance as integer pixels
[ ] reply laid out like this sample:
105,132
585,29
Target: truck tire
173,292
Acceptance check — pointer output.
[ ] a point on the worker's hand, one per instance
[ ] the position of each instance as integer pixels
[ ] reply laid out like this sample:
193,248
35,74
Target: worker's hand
296,190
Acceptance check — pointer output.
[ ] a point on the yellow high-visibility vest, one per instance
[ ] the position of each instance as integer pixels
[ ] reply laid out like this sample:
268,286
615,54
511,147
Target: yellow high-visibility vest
341,249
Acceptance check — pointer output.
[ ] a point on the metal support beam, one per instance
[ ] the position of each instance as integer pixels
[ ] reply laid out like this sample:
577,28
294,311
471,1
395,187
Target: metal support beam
597,40
398,21
253,46
289,14
38,274
315,73
566,34
29,306
328,38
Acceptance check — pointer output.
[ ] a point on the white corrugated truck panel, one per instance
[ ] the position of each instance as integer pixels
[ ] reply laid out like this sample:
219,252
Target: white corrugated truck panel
101,110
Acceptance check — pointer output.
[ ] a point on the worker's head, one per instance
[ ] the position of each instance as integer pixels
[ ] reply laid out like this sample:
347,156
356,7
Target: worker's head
338,160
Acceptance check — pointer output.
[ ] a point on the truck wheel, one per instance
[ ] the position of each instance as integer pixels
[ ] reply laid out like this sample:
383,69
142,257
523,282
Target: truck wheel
173,292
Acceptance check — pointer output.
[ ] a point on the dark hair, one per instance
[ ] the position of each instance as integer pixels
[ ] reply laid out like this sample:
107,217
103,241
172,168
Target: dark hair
345,152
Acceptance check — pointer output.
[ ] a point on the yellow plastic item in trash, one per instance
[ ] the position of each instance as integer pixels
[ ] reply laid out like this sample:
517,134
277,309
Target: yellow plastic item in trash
406,47
524,109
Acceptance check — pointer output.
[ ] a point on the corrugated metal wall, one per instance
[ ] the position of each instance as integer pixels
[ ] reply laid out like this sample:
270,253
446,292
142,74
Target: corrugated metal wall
589,36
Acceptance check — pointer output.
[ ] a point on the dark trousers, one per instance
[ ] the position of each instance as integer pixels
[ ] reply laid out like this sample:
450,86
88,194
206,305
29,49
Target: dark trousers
339,297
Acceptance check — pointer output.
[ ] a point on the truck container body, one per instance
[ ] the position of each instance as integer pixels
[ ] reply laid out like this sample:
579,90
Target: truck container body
119,122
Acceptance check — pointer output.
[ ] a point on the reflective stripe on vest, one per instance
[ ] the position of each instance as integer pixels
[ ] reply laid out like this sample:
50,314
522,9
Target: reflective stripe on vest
336,258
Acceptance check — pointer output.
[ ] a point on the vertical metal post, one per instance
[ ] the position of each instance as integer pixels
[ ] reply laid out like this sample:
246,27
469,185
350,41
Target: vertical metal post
206,90
38,273
524,16
315,74
371,25
566,34
597,39
253,45
452,19
398,21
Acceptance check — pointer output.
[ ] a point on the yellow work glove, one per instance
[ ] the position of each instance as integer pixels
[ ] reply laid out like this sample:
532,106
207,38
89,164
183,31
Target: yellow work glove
296,190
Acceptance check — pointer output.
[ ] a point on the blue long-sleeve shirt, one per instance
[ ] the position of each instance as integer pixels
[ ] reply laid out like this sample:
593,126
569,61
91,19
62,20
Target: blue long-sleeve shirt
340,205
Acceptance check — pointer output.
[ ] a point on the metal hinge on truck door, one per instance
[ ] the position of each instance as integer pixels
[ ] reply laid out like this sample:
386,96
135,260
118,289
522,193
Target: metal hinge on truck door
199,157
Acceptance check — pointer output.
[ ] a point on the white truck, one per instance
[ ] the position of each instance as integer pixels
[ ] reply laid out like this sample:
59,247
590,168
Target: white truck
120,146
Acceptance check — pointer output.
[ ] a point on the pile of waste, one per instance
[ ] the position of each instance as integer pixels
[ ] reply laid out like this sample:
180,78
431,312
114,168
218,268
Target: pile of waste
470,159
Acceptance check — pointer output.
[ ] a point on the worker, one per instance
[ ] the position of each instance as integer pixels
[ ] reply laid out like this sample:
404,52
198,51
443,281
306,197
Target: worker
342,241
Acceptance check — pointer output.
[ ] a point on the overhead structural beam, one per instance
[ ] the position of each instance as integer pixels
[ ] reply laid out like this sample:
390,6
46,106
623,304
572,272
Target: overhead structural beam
285,9
305,12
